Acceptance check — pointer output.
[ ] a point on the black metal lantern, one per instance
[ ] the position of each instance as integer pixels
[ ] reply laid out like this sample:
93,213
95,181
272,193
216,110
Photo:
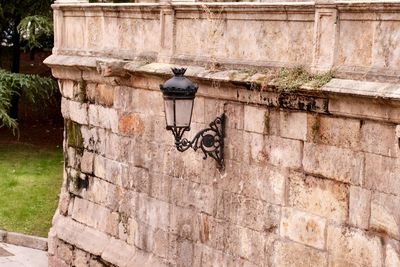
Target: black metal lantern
179,93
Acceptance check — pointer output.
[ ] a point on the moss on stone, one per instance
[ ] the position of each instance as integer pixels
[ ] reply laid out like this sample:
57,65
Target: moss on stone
293,79
82,96
74,134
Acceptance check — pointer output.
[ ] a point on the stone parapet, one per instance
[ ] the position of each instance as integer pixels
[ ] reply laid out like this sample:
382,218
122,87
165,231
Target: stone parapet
357,39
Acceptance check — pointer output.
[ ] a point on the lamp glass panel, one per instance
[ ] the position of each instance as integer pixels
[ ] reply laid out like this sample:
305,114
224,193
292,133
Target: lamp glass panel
183,109
169,112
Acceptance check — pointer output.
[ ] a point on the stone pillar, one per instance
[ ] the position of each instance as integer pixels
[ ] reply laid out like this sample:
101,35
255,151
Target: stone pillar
325,35
167,29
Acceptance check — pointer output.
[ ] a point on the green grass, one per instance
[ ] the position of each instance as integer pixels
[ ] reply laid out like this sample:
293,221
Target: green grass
30,180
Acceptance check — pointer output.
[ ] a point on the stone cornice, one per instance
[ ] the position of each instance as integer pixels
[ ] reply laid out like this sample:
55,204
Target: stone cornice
119,68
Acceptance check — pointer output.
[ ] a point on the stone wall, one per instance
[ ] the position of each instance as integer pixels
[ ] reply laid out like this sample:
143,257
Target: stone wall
311,175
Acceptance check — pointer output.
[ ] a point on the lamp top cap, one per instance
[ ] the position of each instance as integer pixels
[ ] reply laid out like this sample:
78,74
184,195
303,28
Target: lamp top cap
179,85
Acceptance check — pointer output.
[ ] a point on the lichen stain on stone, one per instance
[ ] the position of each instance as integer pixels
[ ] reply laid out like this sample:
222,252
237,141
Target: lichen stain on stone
204,230
130,124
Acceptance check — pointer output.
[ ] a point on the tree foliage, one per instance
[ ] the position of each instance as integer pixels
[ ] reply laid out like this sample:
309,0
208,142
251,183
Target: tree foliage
35,31
32,88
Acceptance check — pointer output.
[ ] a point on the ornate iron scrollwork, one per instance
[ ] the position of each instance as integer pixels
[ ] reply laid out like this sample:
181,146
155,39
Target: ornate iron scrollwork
210,140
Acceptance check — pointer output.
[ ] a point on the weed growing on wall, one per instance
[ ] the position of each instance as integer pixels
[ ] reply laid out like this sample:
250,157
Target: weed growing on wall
293,79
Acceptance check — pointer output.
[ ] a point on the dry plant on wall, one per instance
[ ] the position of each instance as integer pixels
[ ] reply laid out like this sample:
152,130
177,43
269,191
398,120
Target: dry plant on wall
215,32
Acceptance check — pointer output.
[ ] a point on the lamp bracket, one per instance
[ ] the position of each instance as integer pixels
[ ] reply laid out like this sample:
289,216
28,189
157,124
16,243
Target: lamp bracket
210,140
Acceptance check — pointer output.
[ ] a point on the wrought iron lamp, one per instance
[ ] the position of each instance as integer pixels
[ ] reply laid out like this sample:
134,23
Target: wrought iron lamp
179,94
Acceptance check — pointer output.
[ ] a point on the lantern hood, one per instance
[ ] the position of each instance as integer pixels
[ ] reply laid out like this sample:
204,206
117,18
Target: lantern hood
179,85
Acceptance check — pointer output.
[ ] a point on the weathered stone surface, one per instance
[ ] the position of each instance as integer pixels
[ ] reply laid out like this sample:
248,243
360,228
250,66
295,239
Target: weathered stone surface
385,214
284,152
333,131
392,254
373,133
351,247
291,254
103,117
322,197
118,252
87,162
340,164
235,116
130,124
255,119
293,125
95,216
86,238
303,227
360,207
264,183
248,212
78,112
382,174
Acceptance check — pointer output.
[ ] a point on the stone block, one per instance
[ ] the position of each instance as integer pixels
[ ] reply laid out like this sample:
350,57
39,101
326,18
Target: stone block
81,258
87,161
274,120
293,125
185,223
56,262
94,139
103,117
284,152
231,150
99,166
118,252
212,108
212,231
122,97
139,179
352,247
360,207
131,124
234,116
119,148
64,252
67,88
78,112
291,254
153,212
254,148
104,94
363,108
251,245
379,138
104,193
141,258
339,132
65,108
89,239
339,164
326,198
385,214
303,227
248,212
185,193
392,254
160,186
95,216
255,119
382,174
264,183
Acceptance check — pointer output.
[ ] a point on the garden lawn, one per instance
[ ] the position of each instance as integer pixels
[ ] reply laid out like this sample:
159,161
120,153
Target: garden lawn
30,181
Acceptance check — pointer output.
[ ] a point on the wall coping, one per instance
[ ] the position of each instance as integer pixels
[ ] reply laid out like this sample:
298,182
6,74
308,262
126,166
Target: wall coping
118,68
